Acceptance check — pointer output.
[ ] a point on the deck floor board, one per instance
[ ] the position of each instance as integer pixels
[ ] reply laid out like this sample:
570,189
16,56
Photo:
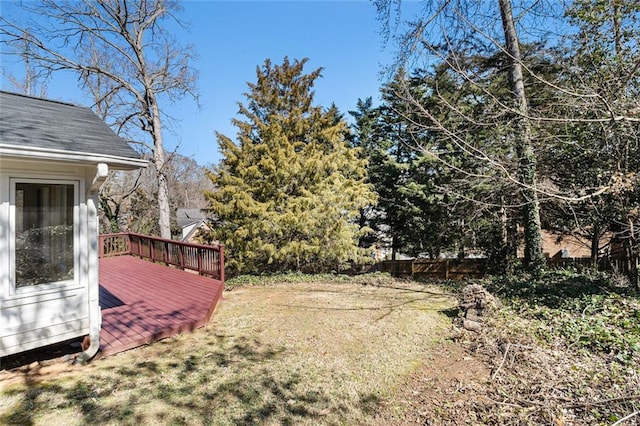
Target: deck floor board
144,301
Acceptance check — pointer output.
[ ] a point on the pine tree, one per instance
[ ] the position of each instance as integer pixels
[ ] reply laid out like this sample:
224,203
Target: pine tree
290,189
412,216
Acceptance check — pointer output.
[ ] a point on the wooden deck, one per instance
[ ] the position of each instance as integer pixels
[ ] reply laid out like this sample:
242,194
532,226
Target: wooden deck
144,301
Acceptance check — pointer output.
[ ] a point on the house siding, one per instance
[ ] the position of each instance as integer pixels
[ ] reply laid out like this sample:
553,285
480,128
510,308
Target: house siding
48,313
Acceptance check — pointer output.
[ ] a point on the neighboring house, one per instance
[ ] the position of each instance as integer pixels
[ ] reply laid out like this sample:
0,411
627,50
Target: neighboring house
54,157
191,221
569,246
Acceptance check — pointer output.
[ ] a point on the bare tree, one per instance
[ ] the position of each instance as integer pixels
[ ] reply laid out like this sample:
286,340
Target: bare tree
187,182
124,57
115,200
126,198
33,83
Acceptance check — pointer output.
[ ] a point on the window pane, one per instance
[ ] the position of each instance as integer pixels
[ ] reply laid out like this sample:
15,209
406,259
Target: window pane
44,233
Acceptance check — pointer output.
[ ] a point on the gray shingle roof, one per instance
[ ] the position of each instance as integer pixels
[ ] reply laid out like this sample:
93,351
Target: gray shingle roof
186,217
40,123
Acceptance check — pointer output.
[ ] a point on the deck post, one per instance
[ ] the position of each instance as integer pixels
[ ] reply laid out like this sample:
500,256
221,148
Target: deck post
165,248
221,263
181,256
100,246
128,241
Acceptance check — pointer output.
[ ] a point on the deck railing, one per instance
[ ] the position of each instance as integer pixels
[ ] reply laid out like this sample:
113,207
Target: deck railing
206,260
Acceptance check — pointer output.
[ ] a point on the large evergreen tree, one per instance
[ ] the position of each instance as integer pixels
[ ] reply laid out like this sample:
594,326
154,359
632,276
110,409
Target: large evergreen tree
290,189
409,215
435,198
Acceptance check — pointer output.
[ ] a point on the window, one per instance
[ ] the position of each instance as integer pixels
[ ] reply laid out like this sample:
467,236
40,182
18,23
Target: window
44,232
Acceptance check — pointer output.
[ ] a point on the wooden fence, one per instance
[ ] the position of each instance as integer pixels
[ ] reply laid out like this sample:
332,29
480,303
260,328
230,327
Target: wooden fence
454,269
446,269
206,260
620,265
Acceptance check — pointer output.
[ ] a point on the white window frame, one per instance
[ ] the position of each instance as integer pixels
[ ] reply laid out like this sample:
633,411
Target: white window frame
51,286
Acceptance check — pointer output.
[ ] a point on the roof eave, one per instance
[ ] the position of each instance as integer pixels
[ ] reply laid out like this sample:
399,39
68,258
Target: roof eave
32,153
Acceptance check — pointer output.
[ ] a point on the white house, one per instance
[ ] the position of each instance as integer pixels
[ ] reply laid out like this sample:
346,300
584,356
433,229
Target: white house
53,158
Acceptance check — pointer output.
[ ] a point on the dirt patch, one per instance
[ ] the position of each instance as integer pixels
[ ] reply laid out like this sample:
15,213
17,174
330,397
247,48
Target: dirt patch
37,371
438,393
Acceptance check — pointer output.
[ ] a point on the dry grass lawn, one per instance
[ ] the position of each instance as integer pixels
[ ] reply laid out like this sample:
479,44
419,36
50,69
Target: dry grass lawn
306,353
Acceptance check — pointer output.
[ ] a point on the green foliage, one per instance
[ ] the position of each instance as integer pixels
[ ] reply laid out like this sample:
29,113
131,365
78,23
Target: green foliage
287,278
289,191
435,194
378,278
564,348
411,215
587,311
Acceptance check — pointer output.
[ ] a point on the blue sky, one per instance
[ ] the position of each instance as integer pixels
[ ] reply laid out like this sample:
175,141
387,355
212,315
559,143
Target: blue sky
231,38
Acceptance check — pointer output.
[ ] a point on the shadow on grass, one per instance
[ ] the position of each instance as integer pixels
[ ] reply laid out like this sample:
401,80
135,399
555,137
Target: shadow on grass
228,379
451,313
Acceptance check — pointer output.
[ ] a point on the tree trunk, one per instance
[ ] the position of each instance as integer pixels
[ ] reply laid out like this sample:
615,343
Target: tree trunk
595,244
503,262
110,216
164,213
393,248
533,258
616,26
633,256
